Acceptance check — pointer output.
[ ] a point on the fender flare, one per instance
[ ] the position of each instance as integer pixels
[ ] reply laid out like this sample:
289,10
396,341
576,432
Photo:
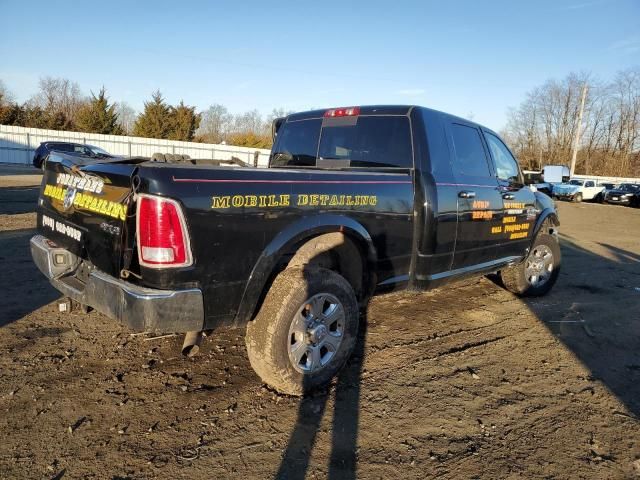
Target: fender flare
298,232
547,213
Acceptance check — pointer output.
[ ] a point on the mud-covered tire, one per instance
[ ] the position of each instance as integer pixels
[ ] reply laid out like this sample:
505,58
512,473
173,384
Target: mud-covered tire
516,279
577,198
268,336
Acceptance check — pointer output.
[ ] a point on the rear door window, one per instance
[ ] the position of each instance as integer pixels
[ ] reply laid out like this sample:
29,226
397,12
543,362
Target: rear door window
367,141
470,159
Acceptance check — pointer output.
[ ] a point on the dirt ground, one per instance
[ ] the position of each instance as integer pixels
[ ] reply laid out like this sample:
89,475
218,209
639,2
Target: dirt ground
467,381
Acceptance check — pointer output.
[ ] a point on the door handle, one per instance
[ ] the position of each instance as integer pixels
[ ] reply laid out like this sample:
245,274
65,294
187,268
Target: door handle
467,194
508,196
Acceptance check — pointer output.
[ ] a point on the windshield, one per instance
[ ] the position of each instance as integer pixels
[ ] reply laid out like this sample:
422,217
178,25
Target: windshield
629,187
98,150
533,177
576,182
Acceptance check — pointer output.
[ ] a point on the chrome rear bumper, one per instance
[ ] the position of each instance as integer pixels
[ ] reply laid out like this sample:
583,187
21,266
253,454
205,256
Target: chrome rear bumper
140,308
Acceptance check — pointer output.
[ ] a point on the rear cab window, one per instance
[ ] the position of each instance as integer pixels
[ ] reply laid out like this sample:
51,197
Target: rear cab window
382,141
296,144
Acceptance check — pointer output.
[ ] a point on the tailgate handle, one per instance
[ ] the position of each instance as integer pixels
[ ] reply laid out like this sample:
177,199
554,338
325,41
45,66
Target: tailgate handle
467,194
508,196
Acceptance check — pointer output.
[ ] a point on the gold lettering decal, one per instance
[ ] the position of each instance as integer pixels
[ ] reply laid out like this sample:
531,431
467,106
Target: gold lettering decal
220,202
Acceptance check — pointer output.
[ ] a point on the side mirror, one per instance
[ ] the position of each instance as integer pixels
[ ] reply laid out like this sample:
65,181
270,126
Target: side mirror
275,126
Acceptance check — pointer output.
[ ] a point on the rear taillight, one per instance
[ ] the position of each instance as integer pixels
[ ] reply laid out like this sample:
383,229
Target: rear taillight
163,240
343,112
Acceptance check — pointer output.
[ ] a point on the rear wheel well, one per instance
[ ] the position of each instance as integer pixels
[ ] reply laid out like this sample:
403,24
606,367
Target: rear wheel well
334,251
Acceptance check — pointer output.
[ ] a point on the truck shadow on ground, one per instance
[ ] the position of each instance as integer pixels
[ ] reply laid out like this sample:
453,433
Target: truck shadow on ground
24,289
344,428
577,312
18,199
583,313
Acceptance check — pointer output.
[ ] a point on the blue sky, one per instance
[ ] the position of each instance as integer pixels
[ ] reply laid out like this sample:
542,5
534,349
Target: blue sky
459,56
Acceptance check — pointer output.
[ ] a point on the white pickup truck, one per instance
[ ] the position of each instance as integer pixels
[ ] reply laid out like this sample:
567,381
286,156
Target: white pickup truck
577,190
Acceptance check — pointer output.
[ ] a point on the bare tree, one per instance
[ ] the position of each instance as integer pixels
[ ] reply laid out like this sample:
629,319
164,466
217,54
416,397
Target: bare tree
541,130
126,117
59,97
6,97
248,122
215,124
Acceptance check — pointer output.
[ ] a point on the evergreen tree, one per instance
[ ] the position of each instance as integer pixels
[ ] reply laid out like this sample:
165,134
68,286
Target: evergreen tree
184,122
97,116
11,114
155,121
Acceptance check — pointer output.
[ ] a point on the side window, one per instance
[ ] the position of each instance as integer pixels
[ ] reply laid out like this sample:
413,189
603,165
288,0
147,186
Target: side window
590,184
296,144
61,147
506,165
470,159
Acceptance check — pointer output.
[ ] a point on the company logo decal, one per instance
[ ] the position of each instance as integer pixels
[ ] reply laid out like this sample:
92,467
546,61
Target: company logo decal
86,183
69,197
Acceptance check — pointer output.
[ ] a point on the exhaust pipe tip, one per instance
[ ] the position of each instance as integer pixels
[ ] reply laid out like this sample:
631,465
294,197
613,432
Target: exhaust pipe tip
191,344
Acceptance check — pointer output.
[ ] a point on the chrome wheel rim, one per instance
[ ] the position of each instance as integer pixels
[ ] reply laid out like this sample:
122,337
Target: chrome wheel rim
539,266
316,333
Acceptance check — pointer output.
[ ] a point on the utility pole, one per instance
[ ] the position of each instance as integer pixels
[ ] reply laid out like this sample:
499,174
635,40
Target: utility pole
576,141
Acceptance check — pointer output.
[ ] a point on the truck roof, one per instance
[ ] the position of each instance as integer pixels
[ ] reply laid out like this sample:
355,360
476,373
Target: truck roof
377,110
364,110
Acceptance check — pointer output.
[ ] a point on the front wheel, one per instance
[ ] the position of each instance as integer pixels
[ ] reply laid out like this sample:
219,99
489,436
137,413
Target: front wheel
577,198
537,274
305,330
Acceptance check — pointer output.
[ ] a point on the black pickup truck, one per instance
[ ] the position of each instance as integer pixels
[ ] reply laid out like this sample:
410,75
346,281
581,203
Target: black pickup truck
355,201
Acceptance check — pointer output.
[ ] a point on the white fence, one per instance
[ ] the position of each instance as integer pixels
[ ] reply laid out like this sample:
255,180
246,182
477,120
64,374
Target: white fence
17,145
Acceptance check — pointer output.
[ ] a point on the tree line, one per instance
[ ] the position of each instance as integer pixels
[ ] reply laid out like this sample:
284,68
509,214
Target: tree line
59,104
542,130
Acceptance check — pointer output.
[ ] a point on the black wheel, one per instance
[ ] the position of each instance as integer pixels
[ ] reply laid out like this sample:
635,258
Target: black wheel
305,330
577,197
537,274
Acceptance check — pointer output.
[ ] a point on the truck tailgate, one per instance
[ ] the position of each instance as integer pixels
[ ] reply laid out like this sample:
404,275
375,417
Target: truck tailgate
86,210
